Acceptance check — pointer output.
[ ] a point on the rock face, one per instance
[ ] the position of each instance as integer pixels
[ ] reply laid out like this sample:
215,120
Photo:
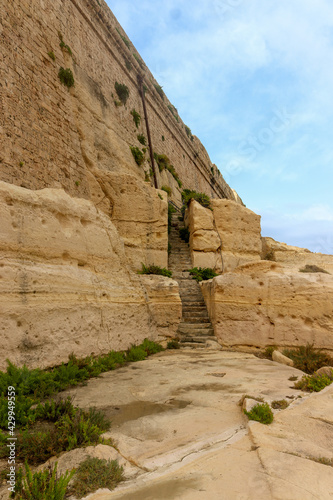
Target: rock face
294,256
225,237
264,303
66,284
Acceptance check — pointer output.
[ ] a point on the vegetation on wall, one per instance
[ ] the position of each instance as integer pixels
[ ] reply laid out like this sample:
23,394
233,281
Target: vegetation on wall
202,273
124,39
138,155
188,132
51,55
159,90
174,112
139,61
66,77
141,138
202,198
163,162
122,92
136,117
63,46
162,271
167,189
128,65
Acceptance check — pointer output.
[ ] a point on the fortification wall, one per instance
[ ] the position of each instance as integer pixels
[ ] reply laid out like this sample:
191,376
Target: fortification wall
54,136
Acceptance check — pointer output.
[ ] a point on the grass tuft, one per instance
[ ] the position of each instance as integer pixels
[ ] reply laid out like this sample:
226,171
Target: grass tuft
260,413
95,473
308,359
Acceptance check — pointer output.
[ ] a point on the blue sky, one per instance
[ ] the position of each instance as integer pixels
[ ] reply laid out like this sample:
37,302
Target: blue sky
254,81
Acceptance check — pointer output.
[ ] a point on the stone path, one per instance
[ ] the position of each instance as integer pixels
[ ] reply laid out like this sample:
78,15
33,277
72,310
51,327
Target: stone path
181,434
195,328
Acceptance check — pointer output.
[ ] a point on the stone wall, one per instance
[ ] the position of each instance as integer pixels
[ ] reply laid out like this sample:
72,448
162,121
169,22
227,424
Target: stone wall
66,285
54,136
225,237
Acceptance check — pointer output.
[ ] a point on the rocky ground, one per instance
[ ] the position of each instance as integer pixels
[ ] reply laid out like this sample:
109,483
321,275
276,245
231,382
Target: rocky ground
181,434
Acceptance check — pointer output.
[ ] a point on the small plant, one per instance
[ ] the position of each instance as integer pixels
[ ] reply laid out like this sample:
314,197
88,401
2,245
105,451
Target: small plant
174,112
159,90
136,354
188,132
162,271
162,161
184,234
169,248
138,155
136,117
313,383
139,61
122,92
202,273
117,103
270,256
308,359
167,189
141,138
202,198
44,485
160,196
63,46
163,138
280,405
66,77
151,347
128,65
173,344
51,55
77,183
260,413
212,170
311,268
95,473
293,378
124,39
21,163
268,352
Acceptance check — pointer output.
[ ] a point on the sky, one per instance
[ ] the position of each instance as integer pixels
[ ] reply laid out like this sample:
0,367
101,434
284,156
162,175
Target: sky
254,82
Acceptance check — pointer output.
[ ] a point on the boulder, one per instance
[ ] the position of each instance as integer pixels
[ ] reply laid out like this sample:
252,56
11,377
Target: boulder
205,241
281,358
325,370
265,303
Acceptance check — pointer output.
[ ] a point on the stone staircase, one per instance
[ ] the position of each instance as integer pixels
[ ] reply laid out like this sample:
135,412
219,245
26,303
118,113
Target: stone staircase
195,328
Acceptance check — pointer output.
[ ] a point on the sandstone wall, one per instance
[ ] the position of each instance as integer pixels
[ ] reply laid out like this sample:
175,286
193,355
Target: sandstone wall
225,237
66,284
294,256
265,303
55,137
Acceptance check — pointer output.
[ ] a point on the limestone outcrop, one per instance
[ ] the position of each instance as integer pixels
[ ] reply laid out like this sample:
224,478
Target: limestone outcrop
294,256
225,237
264,303
66,283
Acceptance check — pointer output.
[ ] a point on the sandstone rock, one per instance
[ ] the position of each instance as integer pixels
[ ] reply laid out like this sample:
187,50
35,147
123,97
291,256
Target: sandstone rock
66,283
199,217
205,241
325,370
265,303
206,259
294,256
249,403
164,304
281,358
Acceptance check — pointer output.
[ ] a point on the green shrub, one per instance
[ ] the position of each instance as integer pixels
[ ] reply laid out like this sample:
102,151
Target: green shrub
311,268
184,234
141,138
139,61
66,77
44,485
260,413
308,359
188,132
159,90
122,92
162,271
63,46
151,347
124,39
138,155
51,55
202,273
95,473
313,383
136,354
167,189
268,352
136,117
173,344
162,161
202,198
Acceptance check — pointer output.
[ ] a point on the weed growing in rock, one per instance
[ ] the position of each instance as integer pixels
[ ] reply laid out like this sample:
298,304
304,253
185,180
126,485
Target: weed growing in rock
95,473
159,90
151,347
173,344
63,46
128,65
162,271
159,195
138,155
270,256
122,92
260,413
44,485
167,189
136,117
202,198
202,273
311,268
174,112
268,352
282,404
51,55
139,61
66,77
124,39
141,138
308,359
313,383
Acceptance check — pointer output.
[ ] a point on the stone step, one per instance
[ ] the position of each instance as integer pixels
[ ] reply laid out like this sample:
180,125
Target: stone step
193,303
196,314
196,332
188,308
194,320
197,340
